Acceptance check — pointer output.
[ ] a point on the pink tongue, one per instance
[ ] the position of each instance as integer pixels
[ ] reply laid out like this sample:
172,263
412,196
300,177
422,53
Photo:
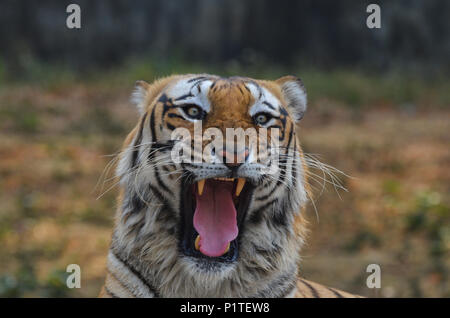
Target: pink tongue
215,217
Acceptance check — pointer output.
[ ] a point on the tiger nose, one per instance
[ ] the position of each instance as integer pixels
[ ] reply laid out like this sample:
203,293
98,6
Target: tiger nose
233,159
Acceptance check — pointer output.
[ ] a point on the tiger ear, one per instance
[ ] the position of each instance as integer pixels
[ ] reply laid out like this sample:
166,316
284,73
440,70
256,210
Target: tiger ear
294,93
139,95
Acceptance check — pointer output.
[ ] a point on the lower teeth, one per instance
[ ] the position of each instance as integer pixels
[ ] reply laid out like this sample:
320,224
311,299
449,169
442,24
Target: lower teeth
197,245
197,242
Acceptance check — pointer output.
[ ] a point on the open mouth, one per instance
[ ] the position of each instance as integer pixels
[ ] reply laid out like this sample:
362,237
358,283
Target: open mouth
213,211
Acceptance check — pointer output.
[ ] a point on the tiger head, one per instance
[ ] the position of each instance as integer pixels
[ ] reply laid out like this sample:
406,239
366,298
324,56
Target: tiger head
217,226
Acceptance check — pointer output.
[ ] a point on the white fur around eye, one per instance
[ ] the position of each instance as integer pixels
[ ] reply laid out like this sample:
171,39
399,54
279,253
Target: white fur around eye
262,99
193,96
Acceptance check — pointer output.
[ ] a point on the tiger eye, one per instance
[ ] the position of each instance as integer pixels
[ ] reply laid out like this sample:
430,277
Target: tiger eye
193,111
261,119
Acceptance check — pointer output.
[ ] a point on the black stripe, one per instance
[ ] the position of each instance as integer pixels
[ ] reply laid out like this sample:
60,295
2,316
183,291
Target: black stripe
152,137
124,285
137,142
160,182
151,153
166,169
136,203
184,96
110,292
138,274
284,162
162,199
280,218
287,291
283,111
265,197
283,133
170,126
197,79
312,289
188,164
152,124
172,115
256,216
268,105
278,284
283,166
283,118
338,295
259,90
257,87
163,99
137,227
164,146
274,250
132,204
290,137
271,191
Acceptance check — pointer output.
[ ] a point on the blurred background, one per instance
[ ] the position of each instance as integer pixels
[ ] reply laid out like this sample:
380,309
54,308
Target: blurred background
378,111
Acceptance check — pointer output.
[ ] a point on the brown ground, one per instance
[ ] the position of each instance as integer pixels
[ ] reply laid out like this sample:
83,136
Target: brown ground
396,212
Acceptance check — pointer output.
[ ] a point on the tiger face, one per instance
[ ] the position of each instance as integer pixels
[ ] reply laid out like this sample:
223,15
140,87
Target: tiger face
223,221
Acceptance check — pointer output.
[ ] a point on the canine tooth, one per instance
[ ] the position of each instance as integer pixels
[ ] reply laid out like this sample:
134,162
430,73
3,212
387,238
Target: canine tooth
197,242
201,185
227,249
240,186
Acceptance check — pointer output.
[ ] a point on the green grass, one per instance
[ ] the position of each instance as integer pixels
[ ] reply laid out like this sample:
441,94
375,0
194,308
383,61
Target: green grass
23,117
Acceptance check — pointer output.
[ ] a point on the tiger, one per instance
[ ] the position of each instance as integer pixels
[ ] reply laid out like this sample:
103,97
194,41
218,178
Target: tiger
216,228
